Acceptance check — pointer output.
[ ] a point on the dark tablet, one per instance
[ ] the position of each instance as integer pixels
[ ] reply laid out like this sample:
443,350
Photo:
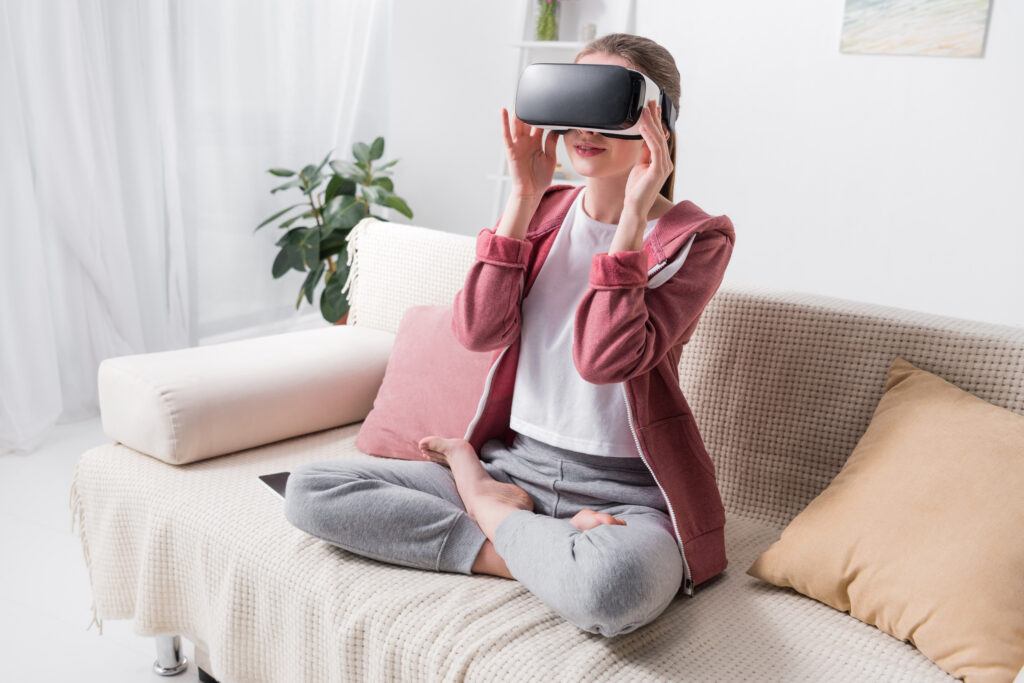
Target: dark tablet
276,481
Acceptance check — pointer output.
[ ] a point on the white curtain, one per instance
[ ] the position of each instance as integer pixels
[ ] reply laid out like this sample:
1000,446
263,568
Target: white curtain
134,141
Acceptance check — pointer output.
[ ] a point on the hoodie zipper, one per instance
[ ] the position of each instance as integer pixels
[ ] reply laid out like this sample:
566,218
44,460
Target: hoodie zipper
687,578
487,390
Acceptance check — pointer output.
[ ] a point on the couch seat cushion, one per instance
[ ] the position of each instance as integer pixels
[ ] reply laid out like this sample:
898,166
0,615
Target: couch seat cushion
204,550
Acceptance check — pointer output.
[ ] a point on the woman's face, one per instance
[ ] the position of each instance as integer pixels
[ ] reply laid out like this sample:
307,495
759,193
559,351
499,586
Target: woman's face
617,156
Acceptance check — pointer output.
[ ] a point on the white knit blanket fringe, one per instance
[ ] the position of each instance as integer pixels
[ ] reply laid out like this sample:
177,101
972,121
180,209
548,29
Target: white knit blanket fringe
352,261
78,516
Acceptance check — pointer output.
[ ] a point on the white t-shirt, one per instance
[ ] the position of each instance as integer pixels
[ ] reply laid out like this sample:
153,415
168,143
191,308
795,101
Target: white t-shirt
550,401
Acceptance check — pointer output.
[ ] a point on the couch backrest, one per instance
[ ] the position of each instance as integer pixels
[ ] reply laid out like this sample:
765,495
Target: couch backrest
782,383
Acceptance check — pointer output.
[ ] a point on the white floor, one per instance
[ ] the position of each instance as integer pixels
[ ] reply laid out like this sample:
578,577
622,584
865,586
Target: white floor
45,597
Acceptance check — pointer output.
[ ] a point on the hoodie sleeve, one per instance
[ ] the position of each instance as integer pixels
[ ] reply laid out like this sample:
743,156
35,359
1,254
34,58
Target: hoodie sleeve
486,312
622,328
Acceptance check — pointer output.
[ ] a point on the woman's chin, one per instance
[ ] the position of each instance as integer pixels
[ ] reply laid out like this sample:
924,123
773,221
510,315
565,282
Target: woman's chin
588,168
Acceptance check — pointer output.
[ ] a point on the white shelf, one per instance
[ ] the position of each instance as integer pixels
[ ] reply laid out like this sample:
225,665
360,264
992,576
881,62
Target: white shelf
545,44
618,17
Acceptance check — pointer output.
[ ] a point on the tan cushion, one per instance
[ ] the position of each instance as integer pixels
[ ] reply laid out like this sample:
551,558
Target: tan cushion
921,533
195,403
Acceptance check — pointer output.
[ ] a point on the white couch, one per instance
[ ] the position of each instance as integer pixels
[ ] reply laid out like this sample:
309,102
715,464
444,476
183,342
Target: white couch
782,384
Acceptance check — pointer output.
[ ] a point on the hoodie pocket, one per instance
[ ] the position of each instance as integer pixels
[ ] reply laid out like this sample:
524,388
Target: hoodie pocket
696,442
680,433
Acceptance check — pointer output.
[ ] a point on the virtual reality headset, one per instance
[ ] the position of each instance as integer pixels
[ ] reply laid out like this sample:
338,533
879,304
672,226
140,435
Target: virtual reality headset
603,98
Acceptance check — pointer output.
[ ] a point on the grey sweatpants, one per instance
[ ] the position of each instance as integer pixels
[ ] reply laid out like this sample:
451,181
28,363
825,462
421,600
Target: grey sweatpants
610,579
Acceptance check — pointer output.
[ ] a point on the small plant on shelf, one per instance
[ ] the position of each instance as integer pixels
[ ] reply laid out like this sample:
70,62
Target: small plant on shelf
319,246
547,20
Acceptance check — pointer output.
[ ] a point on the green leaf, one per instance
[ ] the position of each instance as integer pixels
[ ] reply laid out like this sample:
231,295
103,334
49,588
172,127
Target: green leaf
377,149
347,169
283,172
398,204
361,152
290,183
309,248
302,246
310,283
374,194
293,237
333,303
282,263
386,183
333,244
311,178
278,215
386,166
307,214
324,162
339,185
343,212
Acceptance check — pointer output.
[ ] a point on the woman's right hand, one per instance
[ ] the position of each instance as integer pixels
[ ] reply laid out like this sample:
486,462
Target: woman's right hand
531,163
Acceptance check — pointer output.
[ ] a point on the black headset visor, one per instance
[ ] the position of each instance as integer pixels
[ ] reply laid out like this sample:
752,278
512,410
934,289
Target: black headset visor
603,98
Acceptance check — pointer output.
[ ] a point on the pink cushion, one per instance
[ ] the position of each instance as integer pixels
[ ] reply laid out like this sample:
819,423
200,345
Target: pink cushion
432,385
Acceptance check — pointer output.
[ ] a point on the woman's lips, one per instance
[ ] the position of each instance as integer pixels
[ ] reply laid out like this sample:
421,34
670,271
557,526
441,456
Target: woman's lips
588,151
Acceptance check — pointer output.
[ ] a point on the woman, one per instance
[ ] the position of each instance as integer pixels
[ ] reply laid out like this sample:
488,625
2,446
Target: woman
582,475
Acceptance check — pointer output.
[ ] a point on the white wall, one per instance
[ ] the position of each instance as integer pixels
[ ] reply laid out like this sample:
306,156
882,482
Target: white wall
891,179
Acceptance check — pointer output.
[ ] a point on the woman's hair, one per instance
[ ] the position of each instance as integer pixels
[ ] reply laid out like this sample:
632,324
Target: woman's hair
652,60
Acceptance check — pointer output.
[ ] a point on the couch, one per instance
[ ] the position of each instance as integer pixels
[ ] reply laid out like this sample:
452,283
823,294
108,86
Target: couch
782,384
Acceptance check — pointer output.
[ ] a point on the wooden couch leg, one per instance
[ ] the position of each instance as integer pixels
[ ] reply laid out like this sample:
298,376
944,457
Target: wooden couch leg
169,660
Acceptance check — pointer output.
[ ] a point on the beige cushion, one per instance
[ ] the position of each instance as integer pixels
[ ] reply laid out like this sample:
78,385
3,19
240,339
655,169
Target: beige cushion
195,403
922,531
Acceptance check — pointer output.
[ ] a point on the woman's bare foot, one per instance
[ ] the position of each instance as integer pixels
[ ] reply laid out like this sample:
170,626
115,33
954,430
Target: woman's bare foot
488,561
487,501
588,519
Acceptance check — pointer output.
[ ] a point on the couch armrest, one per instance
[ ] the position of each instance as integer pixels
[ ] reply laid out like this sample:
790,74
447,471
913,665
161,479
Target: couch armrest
196,403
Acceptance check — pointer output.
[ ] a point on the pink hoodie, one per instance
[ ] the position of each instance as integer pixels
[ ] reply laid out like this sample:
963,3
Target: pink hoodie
624,332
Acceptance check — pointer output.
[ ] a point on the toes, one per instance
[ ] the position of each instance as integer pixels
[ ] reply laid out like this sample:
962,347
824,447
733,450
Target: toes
431,442
588,519
428,453
606,518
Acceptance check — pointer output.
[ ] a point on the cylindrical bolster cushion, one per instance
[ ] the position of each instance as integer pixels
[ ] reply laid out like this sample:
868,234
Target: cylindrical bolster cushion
200,402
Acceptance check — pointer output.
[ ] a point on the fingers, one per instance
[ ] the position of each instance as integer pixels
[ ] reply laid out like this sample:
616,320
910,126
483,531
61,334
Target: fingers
662,146
514,130
551,143
645,132
505,128
657,146
521,129
537,139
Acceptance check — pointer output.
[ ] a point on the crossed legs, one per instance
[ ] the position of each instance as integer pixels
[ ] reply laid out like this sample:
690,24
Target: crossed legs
607,570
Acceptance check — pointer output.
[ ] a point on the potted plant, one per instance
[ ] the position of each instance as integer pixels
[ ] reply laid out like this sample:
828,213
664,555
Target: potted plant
547,19
315,240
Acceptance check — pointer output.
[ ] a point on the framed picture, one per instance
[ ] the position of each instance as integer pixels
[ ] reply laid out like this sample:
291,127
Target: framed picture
943,28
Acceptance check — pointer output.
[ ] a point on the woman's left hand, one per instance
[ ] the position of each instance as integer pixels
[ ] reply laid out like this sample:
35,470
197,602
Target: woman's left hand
649,174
